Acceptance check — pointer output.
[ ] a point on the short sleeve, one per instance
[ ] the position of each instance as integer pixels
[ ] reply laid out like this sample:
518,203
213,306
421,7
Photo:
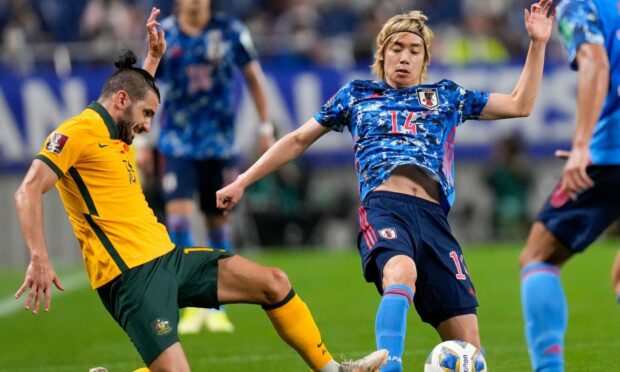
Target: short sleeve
469,103
244,50
335,112
579,23
62,149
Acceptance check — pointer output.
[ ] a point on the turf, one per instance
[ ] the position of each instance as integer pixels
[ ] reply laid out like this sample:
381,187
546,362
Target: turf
78,334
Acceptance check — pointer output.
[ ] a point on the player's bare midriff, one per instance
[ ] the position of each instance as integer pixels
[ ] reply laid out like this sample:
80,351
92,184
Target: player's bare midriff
411,180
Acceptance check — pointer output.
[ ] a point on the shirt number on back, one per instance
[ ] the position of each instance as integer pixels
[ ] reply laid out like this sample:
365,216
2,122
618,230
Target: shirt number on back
408,126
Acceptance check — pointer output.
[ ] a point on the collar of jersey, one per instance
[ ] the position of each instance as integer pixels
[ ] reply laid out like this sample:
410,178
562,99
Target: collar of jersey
107,119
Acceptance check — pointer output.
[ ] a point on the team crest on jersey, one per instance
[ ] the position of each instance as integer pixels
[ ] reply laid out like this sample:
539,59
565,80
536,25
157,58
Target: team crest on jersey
388,233
161,326
428,98
56,143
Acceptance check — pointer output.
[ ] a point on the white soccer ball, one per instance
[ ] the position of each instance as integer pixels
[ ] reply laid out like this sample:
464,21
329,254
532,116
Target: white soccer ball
455,356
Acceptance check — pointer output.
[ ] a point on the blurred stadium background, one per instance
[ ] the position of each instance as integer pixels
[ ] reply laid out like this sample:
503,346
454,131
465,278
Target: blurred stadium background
55,54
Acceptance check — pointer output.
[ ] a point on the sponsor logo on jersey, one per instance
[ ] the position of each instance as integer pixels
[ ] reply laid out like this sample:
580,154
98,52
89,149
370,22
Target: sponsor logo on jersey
56,142
161,326
388,233
428,98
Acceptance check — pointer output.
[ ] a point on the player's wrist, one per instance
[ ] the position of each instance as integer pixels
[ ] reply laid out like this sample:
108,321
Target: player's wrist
266,129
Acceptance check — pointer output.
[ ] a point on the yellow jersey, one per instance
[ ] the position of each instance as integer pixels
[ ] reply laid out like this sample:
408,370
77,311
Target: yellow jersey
111,219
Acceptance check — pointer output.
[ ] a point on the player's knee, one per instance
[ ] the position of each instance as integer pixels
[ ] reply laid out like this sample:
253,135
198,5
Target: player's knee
525,258
277,286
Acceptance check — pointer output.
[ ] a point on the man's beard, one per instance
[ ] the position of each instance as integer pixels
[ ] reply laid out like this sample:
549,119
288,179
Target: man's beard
125,127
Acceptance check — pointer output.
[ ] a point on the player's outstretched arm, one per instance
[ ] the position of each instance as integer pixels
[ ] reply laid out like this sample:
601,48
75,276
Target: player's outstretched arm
539,25
156,43
29,204
283,151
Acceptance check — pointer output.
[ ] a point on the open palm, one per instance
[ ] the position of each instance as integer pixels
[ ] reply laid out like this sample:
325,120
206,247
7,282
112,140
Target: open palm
539,26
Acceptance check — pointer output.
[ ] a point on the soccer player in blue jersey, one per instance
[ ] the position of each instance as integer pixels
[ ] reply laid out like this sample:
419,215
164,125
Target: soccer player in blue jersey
197,135
587,198
403,132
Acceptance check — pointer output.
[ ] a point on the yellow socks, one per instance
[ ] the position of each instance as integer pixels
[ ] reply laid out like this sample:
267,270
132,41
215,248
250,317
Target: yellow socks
295,325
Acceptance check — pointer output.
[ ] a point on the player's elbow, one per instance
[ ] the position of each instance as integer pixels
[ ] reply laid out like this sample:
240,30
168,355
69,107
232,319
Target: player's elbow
20,197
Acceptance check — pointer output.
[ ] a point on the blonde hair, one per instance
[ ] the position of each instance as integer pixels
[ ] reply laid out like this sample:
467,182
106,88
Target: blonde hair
414,22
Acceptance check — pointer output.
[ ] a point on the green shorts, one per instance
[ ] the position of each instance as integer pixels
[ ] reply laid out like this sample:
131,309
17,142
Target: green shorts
145,300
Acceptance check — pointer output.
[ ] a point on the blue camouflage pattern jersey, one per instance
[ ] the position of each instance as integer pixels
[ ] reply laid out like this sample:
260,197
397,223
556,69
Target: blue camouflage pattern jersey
597,22
197,120
410,126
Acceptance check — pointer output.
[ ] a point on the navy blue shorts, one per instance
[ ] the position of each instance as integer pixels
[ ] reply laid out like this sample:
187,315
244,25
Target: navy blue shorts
184,177
394,224
576,224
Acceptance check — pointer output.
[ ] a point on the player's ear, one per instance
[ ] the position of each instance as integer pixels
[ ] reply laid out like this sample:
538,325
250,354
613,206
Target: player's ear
121,99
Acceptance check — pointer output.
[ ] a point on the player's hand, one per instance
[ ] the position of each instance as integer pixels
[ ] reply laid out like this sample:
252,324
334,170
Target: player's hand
155,37
39,278
575,178
538,25
228,197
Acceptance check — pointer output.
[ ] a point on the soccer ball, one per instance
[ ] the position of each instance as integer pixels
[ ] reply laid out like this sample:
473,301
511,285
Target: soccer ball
455,356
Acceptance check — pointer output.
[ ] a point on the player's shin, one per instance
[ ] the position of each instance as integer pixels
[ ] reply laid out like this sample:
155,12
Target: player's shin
545,312
391,324
294,323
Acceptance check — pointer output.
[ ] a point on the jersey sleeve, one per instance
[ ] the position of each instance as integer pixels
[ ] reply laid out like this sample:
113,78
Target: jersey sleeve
62,148
244,50
469,103
334,113
579,23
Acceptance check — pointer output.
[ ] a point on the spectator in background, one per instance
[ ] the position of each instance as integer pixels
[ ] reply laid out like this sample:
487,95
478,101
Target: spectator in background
22,27
474,41
510,179
197,133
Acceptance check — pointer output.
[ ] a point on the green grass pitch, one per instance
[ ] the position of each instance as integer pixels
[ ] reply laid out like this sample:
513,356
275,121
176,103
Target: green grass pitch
78,334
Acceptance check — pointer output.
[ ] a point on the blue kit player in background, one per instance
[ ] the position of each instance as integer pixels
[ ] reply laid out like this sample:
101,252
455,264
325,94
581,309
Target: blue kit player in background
403,133
587,198
197,140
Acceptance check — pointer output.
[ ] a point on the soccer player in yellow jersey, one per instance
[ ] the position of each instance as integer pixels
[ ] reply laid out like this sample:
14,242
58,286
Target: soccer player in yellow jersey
141,278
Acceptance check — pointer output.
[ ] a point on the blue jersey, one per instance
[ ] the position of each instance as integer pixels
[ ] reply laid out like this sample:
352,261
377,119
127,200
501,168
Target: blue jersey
597,22
198,112
393,127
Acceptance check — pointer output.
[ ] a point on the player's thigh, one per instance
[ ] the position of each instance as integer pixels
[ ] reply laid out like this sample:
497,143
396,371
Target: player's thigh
171,359
462,327
243,281
143,301
543,246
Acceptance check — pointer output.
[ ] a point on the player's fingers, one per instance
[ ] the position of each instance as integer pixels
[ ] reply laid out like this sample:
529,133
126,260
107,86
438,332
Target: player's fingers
154,13
30,298
585,179
37,301
22,289
48,298
58,283
563,154
526,15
